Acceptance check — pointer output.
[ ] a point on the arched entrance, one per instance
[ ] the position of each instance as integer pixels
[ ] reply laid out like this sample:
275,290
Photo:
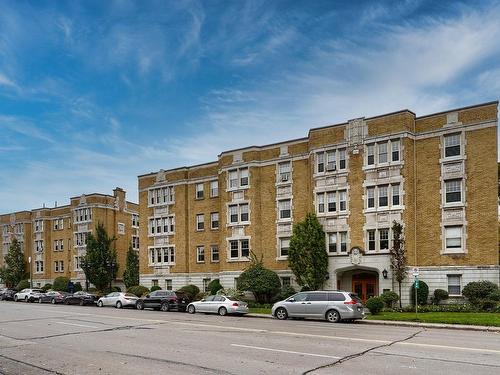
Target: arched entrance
365,284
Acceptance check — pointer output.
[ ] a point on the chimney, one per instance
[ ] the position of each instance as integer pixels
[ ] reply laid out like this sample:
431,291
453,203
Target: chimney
119,193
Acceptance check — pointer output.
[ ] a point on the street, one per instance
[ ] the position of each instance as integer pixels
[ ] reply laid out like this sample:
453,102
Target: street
58,339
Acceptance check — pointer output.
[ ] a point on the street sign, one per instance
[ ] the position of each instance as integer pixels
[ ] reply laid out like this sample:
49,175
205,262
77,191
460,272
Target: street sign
415,271
417,284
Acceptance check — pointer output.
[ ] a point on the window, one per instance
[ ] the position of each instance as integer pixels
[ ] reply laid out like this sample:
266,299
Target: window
205,284
239,248
58,224
242,210
370,192
343,242
78,263
395,195
453,238
56,266
320,162
284,208
200,254
135,221
451,145
244,177
382,152
286,281
82,215
454,287
135,242
453,191
39,266
284,247
335,160
332,242
162,225
331,162
233,179
214,188
371,240
332,202
321,202
58,245
161,196
342,159
395,150
342,200
382,196
384,239
168,284
214,250
162,256
154,282
233,214
61,266
214,220
200,222
39,246
284,172
38,225
238,178
370,152
199,191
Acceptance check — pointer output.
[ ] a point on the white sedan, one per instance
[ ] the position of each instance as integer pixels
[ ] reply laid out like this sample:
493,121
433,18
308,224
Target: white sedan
118,300
221,305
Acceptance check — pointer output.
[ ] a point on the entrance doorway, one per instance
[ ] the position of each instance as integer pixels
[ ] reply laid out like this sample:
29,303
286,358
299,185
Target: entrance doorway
365,285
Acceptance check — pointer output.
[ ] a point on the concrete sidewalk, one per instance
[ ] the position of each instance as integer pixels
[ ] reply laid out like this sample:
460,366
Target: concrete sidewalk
408,324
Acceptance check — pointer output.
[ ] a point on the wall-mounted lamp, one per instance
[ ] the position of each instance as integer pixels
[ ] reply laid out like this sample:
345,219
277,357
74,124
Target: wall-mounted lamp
384,273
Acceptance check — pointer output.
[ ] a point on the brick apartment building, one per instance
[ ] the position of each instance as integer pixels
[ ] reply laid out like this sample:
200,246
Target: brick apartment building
55,238
436,174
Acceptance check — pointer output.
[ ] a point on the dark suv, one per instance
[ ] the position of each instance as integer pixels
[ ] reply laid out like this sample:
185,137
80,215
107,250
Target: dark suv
164,300
7,294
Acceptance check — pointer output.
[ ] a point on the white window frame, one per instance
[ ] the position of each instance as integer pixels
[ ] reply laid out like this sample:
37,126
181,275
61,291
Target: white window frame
284,172
200,254
38,225
214,218
214,249
454,183
448,230
200,222
281,242
135,221
240,209
200,191
240,249
331,160
238,178
58,224
449,141
284,206
214,188
161,196
155,251
451,277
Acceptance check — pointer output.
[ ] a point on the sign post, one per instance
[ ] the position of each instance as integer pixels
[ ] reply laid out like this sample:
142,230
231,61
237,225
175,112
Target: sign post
416,285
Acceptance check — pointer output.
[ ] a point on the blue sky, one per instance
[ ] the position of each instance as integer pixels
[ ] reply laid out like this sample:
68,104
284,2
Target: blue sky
94,93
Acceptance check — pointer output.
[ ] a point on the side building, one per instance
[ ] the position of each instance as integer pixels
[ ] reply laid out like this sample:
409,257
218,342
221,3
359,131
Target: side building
436,174
55,238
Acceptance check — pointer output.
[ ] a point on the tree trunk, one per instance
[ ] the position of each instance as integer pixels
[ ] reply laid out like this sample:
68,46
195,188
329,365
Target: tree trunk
400,304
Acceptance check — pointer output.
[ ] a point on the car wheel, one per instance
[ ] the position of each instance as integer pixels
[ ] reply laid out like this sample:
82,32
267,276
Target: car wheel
39,300
191,309
100,304
118,305
222,311
139,305
15,298
165,306
333,316
53,301
82,302
66,302
26,299
281,313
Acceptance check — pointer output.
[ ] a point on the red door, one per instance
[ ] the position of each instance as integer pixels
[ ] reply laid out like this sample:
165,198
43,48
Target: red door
365,285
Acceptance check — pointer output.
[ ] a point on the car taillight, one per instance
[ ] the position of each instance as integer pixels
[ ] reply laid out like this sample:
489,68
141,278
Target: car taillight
235,304
351,302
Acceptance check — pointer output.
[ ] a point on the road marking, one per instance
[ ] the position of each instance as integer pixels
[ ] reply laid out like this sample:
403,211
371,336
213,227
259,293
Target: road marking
77,325
285,351
450,347
330,337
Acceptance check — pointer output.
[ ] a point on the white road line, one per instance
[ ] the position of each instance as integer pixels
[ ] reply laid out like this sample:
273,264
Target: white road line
77,325
285,351
449,347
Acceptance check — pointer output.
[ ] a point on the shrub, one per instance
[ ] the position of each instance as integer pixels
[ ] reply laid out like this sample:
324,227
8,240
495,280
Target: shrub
488,305
61,284
202,295
375,304
214,286
262,282
478,290
78,287
92,290
116,289
422,293
190,290
232,293
138,290
155,287
23,284
494,296
389,298
440,295
285,292
46,287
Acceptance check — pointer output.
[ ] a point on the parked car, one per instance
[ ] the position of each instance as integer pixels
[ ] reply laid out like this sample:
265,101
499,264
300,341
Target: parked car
333,306
218,304
52,297
7,294
25,294
118,300
35,296
164,300
80,298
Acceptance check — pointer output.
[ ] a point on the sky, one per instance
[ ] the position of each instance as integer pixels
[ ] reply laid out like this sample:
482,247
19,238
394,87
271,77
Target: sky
95,93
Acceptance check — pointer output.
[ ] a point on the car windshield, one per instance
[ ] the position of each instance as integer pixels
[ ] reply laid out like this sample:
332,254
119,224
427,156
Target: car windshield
355,297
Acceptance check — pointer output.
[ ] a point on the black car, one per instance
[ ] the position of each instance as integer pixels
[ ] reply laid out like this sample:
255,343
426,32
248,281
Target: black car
7,294
52,297
164,300
80,298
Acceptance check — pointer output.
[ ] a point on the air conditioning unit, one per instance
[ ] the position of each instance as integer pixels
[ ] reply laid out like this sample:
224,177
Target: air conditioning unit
331,167
284,177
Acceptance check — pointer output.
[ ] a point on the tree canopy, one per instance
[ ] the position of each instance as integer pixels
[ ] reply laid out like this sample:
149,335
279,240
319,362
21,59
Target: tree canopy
131,274
14,269
262,282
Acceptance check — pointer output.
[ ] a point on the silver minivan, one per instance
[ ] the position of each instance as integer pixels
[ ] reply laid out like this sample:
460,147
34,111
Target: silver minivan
332,305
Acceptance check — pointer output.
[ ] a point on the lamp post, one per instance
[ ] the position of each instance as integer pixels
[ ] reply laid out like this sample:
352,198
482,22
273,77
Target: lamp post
111,265
31,273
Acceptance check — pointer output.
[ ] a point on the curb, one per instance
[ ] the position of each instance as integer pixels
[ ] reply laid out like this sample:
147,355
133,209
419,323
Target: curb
461,327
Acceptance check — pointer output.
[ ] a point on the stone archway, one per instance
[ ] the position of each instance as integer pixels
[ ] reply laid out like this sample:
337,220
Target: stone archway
364,281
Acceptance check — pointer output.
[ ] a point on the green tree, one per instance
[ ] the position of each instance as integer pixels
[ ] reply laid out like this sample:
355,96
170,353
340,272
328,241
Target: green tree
262,282
14,269
131,274
99,264
398,256
307,256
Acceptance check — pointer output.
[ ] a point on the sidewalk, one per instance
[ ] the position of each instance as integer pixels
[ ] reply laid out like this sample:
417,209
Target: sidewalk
408,324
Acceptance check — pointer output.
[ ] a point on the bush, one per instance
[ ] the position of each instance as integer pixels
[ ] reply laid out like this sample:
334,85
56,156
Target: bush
488,305
389,298
478,290
61,284
138,290
262,282
190,290
214,286
78,287
253,304
232,293
440,295
494,296
285,292
116,289
46,287
23,284
375,304
155,287
422,293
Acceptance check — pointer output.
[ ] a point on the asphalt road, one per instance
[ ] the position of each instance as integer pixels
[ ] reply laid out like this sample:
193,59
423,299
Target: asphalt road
47,339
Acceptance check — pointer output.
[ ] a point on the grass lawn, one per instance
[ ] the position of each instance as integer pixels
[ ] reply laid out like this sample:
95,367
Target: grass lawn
259,310
481,319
